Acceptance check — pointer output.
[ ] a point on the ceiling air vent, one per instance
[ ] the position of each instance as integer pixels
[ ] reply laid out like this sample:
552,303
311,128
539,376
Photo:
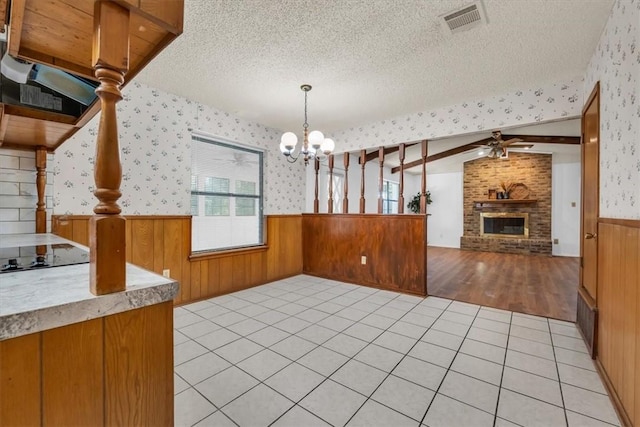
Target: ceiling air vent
466,18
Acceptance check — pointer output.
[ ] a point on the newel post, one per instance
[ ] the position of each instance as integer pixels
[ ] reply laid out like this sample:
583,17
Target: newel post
41,183
107,227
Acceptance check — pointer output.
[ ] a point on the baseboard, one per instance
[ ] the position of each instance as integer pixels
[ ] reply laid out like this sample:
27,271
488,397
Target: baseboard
587,320
617,403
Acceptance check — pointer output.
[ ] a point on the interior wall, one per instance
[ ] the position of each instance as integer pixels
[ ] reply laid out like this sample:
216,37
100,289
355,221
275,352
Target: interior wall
155,145
565,204
444,225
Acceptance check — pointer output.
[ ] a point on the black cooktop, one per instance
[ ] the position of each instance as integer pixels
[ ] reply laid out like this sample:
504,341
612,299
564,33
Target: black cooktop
25,258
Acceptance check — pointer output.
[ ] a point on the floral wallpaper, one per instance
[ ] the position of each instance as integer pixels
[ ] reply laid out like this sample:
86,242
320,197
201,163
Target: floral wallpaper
525,106
155,141
616,64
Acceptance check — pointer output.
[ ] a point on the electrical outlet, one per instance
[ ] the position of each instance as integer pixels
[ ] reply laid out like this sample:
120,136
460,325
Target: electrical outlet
573,204
363,260
166,272
556,241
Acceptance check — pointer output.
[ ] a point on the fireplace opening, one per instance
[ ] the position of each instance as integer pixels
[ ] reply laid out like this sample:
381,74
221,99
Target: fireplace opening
504,224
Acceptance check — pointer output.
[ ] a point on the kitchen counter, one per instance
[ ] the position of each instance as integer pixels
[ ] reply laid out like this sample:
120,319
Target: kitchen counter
37,300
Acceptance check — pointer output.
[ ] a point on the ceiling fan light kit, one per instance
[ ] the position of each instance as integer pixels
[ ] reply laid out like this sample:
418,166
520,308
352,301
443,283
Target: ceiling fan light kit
314,144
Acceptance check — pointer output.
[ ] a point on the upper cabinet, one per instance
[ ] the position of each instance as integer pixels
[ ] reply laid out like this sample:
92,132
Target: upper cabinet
60,34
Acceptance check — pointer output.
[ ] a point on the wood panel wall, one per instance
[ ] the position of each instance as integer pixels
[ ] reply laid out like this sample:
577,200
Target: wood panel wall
158,243
395,247
119,371
618,350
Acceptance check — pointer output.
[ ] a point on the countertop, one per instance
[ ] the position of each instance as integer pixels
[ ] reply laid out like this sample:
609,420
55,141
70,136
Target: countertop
37,300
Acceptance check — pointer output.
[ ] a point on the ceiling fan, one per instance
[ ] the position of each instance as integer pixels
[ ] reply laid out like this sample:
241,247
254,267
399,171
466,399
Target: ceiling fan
498,147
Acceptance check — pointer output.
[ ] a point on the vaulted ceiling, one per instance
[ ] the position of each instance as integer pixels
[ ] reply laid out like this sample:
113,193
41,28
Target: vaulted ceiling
368,59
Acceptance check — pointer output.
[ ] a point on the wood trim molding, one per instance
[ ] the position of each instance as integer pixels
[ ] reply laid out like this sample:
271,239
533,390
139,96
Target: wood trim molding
203,256
615,399
65,216
633,223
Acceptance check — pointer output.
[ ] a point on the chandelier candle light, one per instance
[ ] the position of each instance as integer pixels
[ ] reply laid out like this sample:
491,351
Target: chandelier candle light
313,144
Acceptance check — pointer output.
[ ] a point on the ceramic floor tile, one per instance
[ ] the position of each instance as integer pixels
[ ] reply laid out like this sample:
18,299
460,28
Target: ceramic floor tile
264,364
531,347
543,337
441,303
211,312
408,329
484,351
312,301
443,339
238,350
196,306
270,317
403,396
420,372
532,385
201,368
452,316
352,314
323,361
364,332
190,407
395,342
259,407
292,325
464,308
359,377
373,414
346,345
504,423
185,318
378,321
217,338
425,310
585,402
329,307
494,314
569,343
574,358
229,319
537,324
335,323
187,351
291,309
533,364
312,315
298,417
447,412
491,325
476,393
418,319
450,327
294,381
433,354
317,334
293,347
379,357
365,306
478,368
488,337
569,330
217,419
179,384
526,411
199,329
577,420
247,327
268,336
274,303
225,386
179,338
333,402
391,313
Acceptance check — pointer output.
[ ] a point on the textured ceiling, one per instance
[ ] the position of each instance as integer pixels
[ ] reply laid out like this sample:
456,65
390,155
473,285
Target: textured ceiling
368,59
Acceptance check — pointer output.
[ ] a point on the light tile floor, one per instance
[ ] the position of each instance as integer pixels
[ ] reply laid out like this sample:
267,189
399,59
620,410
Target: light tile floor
306,351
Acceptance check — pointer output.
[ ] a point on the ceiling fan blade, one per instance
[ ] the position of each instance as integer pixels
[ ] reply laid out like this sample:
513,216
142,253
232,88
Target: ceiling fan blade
521,146
510,141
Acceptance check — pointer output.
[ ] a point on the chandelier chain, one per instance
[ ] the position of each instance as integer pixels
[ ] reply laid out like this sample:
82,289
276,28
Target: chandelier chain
305,124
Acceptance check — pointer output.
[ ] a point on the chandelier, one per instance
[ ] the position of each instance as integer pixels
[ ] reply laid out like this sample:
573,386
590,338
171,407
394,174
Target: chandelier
314,144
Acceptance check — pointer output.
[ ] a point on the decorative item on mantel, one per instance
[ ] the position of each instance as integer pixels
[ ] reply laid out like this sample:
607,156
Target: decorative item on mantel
414,204
319,144
506,187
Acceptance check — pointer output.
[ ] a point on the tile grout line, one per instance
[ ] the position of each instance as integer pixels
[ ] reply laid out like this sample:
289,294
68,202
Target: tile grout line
504,364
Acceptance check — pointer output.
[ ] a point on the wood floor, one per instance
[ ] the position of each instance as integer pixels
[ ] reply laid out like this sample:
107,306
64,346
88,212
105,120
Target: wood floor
532,284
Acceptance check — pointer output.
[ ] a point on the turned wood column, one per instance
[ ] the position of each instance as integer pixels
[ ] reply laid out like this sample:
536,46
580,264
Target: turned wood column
107,227
330,207
423,189
345,200
316,201
363,164
41,183
401,155
380,178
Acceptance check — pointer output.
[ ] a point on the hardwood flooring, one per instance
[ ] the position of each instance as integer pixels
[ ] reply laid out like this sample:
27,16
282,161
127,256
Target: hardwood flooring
532,284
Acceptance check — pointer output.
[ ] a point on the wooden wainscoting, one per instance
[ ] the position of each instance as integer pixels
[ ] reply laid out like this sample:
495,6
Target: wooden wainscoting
618,349
160,243
76,375
395,247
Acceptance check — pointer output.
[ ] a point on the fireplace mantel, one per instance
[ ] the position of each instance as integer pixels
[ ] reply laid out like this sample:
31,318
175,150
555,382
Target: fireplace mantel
492,202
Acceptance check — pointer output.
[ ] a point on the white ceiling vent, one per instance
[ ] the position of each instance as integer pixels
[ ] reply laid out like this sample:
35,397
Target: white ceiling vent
464,19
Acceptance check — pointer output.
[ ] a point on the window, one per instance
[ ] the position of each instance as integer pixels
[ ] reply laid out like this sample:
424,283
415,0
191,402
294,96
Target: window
390,191
226,195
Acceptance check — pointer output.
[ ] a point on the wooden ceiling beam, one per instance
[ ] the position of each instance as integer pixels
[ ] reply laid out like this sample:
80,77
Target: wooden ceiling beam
388,150
442,155
545,139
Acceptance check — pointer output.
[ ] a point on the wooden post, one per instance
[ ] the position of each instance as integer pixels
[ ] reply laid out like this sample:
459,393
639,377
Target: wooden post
401,155
110,61
316,201
41,182
345,200
330,207
363,163
380,178
423,189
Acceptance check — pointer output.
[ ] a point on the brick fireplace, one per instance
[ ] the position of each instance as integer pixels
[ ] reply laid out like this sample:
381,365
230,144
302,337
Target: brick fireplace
484,174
